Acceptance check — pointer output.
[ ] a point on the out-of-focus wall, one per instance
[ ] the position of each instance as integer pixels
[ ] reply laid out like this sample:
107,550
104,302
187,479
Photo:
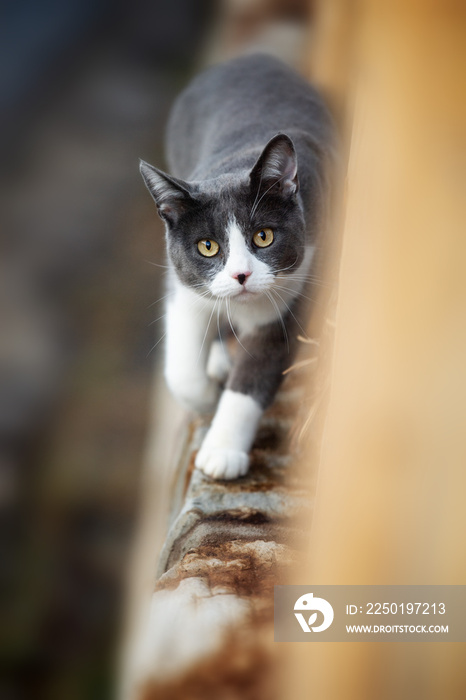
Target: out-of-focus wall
85,87
390,495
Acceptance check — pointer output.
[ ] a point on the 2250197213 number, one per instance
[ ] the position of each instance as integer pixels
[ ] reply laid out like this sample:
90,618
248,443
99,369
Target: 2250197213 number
405,608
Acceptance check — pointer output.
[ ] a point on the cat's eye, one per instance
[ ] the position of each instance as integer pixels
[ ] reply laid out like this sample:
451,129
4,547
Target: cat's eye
208,248
263,238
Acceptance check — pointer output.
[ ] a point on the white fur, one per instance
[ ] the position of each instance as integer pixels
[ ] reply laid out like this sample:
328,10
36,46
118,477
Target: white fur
189,336
250,307
224,453
240,260
219,362
193,376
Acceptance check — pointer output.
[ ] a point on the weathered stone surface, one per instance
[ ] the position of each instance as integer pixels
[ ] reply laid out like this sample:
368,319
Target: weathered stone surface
210,627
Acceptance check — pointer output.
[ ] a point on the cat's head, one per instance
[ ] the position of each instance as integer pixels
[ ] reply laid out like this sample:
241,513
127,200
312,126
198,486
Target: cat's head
233,235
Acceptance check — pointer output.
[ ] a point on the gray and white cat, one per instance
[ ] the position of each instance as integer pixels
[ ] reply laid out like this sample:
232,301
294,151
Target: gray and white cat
248,145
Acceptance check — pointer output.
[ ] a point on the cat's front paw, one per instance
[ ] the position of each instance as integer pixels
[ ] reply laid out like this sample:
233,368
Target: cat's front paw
222,463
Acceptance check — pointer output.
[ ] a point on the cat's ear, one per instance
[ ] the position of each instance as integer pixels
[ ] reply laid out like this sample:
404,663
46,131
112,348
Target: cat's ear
277,167
171,195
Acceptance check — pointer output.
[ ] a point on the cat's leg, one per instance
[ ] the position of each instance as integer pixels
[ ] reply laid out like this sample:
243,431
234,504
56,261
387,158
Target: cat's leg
224,453
219,362
190,331
252,384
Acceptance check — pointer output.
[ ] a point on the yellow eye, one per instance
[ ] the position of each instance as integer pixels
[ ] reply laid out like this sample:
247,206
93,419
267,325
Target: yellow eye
208,248
263,238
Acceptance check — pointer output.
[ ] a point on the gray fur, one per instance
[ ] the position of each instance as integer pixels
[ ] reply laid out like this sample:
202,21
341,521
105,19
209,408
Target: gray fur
262,358
248,138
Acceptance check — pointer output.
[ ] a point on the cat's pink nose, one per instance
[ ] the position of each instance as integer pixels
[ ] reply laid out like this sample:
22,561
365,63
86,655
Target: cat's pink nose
241,276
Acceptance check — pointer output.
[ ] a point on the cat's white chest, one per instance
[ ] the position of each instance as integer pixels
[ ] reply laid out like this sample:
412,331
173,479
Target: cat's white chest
246,317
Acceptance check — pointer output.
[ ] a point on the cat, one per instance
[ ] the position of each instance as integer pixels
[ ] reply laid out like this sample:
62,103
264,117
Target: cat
248,147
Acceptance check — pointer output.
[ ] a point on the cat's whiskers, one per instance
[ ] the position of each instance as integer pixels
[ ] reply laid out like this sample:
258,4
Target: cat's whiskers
231,326
219,331
151,323
254,209
166,267
173,291
290,311
305,278
255,200
299,273
200,296
282,269
157,301
294,292
285,334
207,294
154,346
304,281
204,298
163,316
207,330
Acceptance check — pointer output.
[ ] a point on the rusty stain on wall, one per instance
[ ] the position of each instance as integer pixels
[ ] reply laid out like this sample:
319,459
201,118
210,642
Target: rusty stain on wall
209,633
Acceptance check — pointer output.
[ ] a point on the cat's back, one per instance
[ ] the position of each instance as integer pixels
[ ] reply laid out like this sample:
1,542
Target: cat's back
230,111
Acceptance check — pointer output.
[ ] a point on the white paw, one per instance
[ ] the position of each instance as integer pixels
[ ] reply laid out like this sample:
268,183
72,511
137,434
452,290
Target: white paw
222,463
219,362
197,394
